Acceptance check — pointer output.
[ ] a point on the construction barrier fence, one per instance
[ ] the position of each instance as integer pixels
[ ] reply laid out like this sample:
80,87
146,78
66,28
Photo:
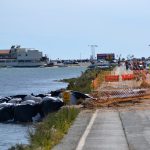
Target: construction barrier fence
111,86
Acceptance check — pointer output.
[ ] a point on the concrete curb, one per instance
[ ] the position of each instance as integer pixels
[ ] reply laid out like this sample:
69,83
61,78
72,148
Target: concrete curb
71,139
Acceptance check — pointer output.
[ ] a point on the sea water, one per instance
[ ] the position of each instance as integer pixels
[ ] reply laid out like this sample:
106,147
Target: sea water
26,81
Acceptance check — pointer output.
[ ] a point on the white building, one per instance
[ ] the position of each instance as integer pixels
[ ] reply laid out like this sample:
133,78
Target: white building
22,57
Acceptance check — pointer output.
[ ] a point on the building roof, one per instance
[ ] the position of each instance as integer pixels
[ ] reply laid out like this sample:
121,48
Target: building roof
4,52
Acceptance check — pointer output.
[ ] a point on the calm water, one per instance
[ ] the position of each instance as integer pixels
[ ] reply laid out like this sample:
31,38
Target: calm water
26,81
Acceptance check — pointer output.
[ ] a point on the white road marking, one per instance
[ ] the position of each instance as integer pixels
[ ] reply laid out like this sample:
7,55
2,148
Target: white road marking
86,132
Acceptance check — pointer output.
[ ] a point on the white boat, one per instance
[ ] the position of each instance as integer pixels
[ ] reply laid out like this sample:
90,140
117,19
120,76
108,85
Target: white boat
22,57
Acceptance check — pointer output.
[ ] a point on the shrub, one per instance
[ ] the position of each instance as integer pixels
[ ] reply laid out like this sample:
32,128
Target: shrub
83,83
51,130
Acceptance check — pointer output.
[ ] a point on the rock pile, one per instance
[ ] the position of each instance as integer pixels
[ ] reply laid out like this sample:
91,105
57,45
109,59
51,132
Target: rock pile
28,108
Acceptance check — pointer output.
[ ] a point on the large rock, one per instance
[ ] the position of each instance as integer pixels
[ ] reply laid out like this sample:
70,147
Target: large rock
56,93
50,104
6,113
19,96
24,113
79,95
41,95
15,100
30,97
6,104
30,102
5,99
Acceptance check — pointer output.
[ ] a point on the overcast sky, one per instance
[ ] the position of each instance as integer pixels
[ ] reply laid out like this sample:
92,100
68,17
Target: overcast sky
64,28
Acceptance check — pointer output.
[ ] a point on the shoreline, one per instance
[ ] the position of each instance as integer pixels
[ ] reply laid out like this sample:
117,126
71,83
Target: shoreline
89,75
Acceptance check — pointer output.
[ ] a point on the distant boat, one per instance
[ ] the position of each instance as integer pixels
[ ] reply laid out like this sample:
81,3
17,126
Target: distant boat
22,57
50,64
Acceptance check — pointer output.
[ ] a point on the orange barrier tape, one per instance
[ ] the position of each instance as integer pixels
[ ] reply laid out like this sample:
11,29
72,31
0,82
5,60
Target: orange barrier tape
112,78
128,77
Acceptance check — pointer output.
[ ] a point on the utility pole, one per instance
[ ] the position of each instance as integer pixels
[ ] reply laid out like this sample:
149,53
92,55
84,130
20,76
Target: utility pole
80,56
93,51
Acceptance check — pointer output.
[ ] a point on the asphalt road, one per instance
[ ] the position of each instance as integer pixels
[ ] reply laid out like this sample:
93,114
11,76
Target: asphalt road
137,129
106,133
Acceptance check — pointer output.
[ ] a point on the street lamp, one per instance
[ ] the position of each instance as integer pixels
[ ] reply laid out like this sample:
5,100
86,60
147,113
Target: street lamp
93,51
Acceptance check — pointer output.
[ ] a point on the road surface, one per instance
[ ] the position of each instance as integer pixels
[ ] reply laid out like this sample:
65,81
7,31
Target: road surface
126,128
110,129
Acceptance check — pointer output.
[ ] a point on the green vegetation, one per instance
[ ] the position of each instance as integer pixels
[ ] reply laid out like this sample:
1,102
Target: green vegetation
83,83
51,130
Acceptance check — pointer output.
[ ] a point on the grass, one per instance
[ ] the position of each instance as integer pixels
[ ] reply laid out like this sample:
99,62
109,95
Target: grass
83,83
50,131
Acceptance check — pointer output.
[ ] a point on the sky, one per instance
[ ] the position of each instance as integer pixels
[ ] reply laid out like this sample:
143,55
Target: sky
64,29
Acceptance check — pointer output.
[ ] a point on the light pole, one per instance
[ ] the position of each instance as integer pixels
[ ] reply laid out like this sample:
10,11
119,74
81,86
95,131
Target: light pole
93,51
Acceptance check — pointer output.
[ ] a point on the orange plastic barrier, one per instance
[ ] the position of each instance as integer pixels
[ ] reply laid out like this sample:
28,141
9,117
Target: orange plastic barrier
128,77
95,83
112,78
